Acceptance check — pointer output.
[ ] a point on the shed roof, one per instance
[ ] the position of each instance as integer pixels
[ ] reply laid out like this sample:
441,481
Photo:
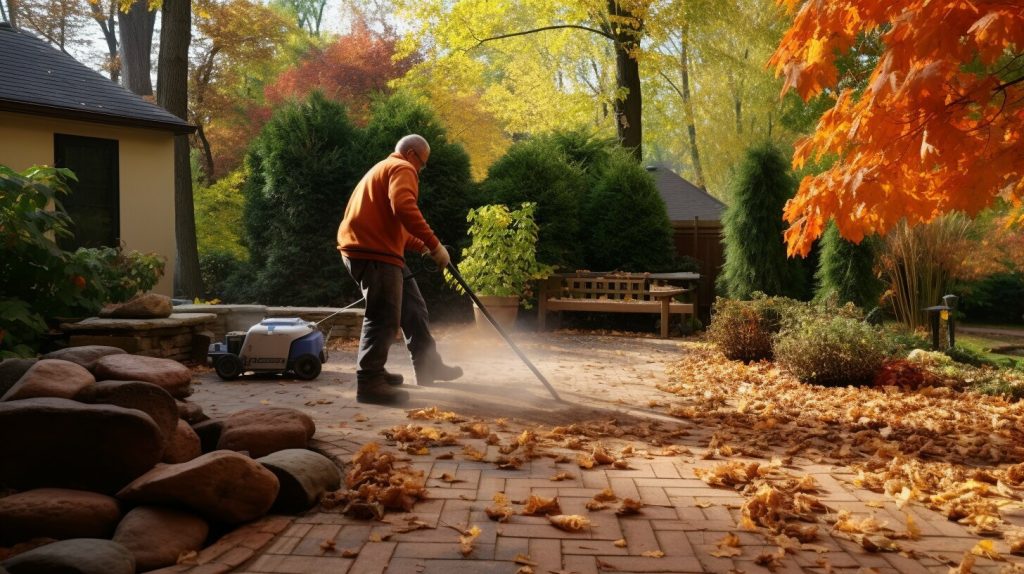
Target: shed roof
683,200
37,79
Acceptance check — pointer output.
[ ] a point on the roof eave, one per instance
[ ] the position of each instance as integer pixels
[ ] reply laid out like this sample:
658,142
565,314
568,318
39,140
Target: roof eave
95,117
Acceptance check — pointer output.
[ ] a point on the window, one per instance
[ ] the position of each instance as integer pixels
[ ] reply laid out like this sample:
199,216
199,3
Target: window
94,201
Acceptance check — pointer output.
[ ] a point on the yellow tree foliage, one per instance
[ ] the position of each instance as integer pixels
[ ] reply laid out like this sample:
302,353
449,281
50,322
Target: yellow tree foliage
938,128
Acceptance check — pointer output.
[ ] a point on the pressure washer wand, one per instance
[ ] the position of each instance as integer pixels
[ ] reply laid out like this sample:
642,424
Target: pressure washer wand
462,282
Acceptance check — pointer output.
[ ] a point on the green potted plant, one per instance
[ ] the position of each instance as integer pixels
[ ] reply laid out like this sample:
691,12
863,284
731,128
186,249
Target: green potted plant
501,261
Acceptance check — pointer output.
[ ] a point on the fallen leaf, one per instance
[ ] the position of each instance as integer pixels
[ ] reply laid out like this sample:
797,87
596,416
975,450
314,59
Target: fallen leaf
629,506
522,559
986,549
540,505
349,553
620,543
653,554
563,475
327,545
569,522
467,539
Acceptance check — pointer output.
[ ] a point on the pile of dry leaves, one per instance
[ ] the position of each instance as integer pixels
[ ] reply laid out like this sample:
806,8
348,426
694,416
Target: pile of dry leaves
374,484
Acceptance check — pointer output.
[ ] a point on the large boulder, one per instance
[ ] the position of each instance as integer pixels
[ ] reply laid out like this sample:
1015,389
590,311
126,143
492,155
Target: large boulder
157,536
183,444
304,476
63,443
224,486
209,433
11,370
145,306
50,378
85,355
172,376
146,397
191,412
76,556
264,430
57,513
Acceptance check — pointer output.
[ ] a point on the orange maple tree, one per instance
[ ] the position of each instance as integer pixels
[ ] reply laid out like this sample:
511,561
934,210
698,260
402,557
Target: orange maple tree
939,127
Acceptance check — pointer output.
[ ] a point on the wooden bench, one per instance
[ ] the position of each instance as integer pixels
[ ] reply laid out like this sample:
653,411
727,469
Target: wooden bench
609,293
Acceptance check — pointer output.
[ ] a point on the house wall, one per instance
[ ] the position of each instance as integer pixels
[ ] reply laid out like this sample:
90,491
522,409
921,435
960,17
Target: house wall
702,240
146,172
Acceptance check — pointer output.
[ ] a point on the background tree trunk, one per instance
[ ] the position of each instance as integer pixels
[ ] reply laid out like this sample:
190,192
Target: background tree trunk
12,12
136,27
172,94
108,24
628,110
691,126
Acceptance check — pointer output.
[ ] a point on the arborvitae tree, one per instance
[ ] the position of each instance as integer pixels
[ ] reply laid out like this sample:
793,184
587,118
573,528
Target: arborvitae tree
846,270
755,254
303,170
625,223
538,171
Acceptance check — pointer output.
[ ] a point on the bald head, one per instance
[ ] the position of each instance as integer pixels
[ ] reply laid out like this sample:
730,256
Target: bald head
413,142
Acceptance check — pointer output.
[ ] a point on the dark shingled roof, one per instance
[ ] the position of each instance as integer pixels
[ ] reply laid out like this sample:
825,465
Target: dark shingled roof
38,79
683,200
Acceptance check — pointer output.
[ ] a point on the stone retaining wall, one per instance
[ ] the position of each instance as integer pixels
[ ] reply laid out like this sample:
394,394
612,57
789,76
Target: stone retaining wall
187,333
182,336
241,317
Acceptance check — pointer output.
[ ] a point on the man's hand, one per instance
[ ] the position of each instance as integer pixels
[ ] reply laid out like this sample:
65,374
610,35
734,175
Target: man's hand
440,256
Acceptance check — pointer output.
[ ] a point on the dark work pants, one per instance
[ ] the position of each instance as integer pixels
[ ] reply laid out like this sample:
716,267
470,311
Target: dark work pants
393,300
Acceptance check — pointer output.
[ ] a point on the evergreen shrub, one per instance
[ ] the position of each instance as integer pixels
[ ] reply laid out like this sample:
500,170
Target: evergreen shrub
846,270
625,222
832,351
538,171
755,253
303,167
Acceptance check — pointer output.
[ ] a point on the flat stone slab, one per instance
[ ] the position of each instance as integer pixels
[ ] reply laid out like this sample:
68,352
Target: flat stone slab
175,320
219,309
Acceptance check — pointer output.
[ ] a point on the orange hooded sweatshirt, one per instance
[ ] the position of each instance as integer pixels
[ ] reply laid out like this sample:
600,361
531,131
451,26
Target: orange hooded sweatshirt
382,219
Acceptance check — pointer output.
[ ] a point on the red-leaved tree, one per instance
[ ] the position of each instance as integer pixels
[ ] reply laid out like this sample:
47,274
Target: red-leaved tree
350,70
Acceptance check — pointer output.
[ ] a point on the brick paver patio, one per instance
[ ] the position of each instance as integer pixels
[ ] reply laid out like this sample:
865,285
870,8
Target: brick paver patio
601,377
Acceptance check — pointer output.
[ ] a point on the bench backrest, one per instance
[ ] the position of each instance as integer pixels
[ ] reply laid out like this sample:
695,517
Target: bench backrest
613,288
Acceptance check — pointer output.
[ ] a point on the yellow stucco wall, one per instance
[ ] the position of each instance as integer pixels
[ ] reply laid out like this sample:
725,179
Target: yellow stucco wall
146,171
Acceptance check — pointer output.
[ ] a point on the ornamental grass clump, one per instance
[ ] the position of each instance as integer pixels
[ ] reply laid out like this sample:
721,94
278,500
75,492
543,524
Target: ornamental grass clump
831,351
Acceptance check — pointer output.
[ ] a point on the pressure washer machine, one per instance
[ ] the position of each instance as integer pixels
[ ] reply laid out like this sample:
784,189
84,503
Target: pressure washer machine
275,345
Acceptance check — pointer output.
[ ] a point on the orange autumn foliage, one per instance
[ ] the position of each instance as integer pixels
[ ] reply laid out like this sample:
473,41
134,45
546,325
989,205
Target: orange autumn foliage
939,127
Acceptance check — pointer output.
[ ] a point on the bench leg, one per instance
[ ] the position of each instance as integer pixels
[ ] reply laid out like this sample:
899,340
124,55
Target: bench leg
542,319
664,317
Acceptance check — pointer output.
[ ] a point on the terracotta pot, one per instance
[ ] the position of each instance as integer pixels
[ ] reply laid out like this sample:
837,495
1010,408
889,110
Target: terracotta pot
503,309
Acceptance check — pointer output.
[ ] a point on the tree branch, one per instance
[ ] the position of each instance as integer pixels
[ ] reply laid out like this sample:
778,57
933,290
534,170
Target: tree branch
1003,86
544,29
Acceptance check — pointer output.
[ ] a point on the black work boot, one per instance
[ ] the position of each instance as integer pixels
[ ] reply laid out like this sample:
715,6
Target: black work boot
376,389
434,371
394,379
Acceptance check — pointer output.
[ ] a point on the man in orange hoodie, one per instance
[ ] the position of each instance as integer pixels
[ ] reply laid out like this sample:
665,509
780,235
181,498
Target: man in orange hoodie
382,221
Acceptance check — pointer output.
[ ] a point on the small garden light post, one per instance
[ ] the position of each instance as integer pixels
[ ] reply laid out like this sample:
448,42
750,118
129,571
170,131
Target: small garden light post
940,313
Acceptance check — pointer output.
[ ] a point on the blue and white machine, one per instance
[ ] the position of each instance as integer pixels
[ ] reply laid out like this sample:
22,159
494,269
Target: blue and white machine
271,346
